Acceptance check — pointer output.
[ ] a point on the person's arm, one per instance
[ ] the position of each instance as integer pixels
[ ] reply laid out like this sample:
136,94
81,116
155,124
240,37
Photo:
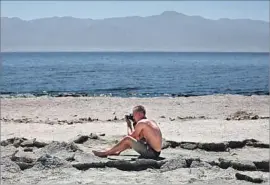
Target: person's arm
129,127
136,133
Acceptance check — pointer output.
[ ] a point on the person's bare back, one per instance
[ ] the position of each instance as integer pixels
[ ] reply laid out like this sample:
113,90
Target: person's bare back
150,131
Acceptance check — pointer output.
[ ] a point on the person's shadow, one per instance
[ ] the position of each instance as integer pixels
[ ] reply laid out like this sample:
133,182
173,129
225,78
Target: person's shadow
135,157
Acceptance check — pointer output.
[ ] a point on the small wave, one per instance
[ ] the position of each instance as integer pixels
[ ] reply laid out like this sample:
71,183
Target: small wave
121,93
118,89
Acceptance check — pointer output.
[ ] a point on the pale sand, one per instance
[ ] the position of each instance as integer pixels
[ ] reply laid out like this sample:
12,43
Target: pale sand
213,127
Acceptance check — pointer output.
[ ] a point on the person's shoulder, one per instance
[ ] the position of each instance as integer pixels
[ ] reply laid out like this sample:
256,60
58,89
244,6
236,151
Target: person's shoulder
143,121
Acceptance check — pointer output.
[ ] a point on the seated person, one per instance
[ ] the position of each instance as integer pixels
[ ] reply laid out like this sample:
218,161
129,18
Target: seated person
145,138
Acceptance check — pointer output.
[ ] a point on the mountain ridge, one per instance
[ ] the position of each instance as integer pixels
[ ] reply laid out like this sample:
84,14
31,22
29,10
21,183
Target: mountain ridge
168,31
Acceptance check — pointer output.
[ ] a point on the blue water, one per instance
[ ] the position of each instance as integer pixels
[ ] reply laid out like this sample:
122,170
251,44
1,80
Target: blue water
134,74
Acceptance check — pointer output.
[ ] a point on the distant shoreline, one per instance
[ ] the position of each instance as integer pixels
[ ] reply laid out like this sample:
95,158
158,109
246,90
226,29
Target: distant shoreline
154,51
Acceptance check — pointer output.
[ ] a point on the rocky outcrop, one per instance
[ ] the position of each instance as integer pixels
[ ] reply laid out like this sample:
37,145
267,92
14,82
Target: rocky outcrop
26,157
214,147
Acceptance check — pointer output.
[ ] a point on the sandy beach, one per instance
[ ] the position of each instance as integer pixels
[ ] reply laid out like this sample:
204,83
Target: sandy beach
215,139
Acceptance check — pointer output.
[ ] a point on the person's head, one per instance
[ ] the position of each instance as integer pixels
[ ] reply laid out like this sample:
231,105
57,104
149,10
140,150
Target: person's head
138,113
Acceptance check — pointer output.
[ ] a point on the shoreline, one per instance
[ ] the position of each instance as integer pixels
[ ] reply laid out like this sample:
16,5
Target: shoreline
124,95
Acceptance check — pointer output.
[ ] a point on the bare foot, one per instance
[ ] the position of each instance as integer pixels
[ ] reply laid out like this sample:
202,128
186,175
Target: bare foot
99,154
118,153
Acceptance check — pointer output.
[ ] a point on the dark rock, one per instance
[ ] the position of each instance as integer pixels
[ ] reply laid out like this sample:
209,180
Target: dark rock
115,118
238,165
173,164
39,144
224,164
20,156
162,117
244,165
255,117
262,165
93,136
102,134
172,144
255,143
172,119
23,160
86,166
5,143
189,146
185,118
250,142
214,163
216,147
17,141
260,145
28,143
240,176
24,165
80,139
89,119
190,160
138,165
28,149
236,144
70,122
165,144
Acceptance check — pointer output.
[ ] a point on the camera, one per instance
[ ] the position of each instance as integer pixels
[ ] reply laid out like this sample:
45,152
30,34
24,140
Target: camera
130,116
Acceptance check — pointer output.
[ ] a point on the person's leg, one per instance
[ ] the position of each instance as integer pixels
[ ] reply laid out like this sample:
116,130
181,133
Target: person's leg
124,144
143,149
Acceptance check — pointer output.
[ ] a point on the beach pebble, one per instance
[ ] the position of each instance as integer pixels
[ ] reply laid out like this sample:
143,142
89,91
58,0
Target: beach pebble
171,119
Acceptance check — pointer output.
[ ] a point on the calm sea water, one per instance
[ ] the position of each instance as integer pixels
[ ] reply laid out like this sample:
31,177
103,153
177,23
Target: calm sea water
134,74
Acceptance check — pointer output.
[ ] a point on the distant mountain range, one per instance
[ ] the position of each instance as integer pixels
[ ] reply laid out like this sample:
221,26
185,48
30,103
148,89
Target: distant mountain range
169,31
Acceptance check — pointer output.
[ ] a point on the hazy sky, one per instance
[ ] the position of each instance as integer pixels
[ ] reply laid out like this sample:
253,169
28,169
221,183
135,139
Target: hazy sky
258,10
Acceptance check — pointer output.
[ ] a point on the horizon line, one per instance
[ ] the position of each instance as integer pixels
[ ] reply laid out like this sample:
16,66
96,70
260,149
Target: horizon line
135,51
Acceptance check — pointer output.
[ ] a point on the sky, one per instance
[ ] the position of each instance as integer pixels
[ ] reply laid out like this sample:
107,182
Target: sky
27,10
